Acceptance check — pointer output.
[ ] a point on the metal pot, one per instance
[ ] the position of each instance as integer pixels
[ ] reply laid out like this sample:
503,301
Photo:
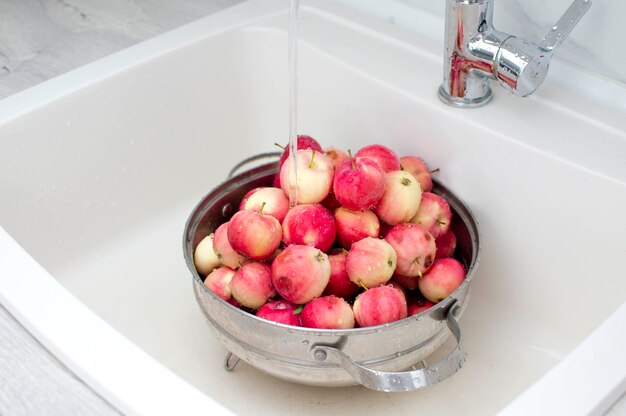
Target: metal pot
375,357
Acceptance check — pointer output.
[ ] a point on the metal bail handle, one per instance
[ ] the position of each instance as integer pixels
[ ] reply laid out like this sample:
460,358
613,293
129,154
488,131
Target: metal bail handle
403,380
251,159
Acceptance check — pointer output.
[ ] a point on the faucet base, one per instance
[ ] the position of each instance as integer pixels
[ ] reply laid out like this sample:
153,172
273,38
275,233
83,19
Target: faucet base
459,102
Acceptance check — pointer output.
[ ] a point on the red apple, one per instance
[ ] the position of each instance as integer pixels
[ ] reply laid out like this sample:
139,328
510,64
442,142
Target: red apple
276,181
225,252
446,244
300,273
379,305
371,262
416,167
252,285
309,224
443,278
339,283
204,257
415,248
280,311
218,282
272,201
383,156
401,198
359,183
304,143
254,234
434,214
328,312
315,176
355,225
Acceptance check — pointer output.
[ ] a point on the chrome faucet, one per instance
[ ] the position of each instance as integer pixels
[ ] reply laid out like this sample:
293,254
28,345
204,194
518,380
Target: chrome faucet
475,53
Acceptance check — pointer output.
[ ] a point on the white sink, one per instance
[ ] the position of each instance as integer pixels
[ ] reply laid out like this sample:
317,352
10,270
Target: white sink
101,167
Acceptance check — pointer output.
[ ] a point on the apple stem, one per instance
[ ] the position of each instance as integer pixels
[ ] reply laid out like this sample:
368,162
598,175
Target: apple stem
262,206
441,222
362,284
434,171
351,159
311,164
298,310
278,145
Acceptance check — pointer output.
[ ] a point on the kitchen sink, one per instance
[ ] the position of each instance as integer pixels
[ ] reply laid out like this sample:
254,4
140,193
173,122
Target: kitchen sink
100,168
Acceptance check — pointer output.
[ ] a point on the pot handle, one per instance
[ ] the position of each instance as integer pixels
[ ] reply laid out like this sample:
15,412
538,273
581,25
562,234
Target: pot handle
402,380
247,161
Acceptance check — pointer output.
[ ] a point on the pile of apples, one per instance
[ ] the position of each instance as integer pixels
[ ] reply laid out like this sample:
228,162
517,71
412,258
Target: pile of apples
366,244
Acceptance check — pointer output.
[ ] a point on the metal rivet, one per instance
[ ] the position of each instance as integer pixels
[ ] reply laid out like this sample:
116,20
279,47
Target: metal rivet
319,355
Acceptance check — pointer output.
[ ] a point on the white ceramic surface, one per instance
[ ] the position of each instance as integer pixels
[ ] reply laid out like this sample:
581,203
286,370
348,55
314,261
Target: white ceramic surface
100,168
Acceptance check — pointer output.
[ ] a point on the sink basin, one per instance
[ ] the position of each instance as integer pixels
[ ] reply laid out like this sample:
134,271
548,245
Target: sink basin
101,167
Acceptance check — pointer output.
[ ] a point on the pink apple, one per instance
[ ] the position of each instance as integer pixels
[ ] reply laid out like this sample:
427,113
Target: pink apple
371,262
359,183
383,156
443,278
225,252
280,311
339,283
304,143
254,234
204,257
415,248
418,306
379,305
272,201
401,198
252,285
434,213
336,156
446,244
355,225
416,167
300,273
328,312
218,282
309,224
315,176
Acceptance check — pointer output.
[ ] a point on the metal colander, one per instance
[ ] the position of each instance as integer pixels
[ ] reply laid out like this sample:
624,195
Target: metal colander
383,357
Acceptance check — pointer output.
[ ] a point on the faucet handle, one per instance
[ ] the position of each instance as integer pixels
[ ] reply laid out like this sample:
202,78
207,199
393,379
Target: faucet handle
561,30
521,66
